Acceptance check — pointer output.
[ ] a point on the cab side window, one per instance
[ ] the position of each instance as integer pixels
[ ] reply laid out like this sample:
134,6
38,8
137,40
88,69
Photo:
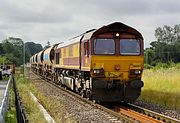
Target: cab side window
86,48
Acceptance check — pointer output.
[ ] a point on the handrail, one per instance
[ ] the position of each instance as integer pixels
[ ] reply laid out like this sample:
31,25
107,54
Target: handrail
5,102
21,116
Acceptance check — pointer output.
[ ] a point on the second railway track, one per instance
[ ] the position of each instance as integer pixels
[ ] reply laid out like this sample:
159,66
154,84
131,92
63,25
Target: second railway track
129,113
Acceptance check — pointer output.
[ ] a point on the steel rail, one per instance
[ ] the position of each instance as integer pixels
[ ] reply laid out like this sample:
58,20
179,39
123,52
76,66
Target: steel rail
135,115
153,114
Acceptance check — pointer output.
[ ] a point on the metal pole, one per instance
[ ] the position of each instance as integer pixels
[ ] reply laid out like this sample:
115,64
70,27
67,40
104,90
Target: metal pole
3,61
23,59
146,57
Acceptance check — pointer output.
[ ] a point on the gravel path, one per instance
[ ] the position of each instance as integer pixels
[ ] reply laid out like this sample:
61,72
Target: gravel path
160,109
79,111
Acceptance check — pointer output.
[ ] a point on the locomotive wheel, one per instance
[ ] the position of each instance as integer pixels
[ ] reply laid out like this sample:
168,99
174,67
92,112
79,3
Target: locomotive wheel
88,94
82,93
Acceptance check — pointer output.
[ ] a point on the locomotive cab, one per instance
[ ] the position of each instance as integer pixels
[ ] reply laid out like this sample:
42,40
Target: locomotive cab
116,63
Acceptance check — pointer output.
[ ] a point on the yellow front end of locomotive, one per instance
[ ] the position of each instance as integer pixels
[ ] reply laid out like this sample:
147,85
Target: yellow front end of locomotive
122,68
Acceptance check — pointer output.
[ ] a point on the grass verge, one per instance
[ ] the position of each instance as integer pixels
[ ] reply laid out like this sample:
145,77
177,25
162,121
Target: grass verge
31,108
54,107
161,86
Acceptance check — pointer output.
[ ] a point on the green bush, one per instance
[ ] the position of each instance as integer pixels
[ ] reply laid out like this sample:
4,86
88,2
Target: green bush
147,66
161,65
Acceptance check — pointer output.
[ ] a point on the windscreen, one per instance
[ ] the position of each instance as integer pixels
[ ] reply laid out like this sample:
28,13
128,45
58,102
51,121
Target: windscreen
129,47
104,46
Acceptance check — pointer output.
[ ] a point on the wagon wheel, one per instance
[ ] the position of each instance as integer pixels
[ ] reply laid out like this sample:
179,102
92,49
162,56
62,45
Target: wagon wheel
59,80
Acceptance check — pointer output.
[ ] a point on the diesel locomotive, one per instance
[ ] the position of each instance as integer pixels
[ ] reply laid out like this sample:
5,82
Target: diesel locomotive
104,64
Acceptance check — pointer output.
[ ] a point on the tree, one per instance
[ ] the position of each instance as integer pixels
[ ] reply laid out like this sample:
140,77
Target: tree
48,45
1,49
5,60
166,48
12,50
31,49
168,34
149,54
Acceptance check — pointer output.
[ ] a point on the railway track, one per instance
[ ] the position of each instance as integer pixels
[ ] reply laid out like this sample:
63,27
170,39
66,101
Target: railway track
143,115
125,113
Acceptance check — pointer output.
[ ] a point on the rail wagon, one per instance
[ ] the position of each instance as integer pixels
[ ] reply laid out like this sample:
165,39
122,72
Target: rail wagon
48,60
104,64
33,61
40,61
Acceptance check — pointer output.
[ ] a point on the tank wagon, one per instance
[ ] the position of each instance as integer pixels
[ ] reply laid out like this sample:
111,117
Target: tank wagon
40,62
33,61
48,60
104,64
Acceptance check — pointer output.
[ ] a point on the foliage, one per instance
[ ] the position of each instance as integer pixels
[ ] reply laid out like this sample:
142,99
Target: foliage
161,65
12,48
166,48
12,51
5,60
48,45
31,49
149,54
147,66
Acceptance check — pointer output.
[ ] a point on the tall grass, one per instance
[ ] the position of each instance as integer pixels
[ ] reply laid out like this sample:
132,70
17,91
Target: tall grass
34,115
162,86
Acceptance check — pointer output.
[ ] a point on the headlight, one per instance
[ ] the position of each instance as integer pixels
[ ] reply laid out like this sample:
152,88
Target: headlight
98,71
137,72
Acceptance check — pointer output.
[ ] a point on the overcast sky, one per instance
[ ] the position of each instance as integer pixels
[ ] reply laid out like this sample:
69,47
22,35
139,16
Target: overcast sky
57,20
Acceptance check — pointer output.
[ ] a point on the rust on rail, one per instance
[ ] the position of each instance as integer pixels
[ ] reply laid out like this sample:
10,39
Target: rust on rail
136,115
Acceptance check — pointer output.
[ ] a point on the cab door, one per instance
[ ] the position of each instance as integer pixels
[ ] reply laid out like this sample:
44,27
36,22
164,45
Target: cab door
85,54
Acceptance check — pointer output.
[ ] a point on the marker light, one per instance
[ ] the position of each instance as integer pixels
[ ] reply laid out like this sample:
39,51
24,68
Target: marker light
117,34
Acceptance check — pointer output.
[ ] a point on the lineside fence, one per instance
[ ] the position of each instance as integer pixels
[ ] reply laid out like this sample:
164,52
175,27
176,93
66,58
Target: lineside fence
5,102
21,116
